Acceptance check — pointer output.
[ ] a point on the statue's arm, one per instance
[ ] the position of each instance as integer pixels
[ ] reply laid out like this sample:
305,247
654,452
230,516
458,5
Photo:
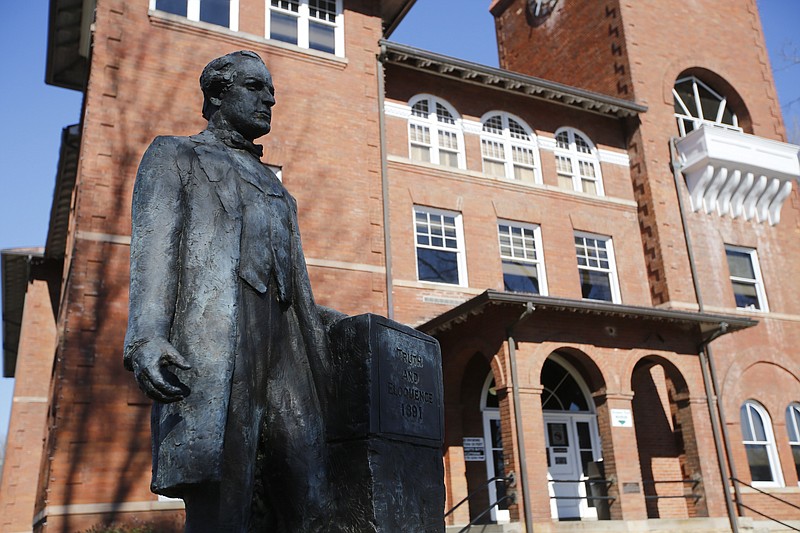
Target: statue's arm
157,215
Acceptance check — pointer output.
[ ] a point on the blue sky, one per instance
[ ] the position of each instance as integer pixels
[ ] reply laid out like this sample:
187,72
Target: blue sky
35,113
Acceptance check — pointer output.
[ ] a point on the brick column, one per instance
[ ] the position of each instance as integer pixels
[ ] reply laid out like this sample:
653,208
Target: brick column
454,467
621,459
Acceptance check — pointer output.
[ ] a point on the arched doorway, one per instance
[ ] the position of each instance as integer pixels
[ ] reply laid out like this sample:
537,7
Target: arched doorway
572,439
668,456
493,443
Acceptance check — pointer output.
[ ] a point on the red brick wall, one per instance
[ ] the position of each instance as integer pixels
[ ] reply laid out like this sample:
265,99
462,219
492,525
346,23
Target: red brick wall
26,430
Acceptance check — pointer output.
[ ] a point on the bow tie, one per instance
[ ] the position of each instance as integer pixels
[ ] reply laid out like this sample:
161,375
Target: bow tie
234,139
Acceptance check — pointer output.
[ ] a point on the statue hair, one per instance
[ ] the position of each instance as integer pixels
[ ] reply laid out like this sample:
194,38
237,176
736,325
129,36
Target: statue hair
218,76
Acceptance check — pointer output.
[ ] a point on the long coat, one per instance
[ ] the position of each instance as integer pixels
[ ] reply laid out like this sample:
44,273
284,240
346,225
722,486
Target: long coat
195,240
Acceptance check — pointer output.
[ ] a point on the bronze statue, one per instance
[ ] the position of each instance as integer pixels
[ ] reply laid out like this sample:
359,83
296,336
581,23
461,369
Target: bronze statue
223,332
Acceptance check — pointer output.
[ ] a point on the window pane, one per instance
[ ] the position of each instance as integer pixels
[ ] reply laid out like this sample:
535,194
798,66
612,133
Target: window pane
746,295
584,438
520,277
793,423
216,12
420,153
740,264
437,265
595,285
494,125
323,9
758,459
565,182
177,7
589,187
448,159
494,168
283,27
321,37
523,173
796,454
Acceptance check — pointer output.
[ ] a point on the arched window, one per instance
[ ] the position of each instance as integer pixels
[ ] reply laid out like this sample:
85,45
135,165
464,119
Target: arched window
759,443
793,428
508,148
696,103
562,392
434,132
576,162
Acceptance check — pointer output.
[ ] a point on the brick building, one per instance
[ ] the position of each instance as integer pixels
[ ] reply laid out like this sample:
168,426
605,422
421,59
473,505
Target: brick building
598,233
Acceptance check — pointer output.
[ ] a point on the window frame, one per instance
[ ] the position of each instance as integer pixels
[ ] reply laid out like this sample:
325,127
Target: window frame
768,443
757,281
793,422
698,121
576,157
434,127
613,276
459,251
193,13
509,142
538,263
304,21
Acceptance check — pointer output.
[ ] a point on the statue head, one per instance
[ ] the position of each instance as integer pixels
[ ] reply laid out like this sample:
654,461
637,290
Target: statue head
238,94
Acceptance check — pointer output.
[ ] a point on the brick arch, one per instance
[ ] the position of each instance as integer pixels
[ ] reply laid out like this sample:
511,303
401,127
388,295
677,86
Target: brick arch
670,369
715,74
768,382
584,365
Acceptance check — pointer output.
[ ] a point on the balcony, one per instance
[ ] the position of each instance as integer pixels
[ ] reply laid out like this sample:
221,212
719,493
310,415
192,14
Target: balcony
738,175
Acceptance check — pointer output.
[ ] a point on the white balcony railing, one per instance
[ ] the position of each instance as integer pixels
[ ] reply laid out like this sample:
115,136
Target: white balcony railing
736,174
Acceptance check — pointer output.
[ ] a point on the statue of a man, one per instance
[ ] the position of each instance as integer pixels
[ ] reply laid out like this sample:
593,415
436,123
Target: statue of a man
223,332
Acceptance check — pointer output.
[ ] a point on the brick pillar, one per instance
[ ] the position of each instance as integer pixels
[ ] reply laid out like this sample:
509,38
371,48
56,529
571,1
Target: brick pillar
26,430
713,488
455,468
621,459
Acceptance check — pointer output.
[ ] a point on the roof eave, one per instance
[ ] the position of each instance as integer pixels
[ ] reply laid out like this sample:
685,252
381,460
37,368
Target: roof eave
705,322
467,71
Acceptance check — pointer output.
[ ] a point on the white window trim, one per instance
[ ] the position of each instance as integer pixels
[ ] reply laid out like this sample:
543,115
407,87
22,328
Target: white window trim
434,126
576,157
193,12
758,281
794,421
537,239
699,121
612,265
304,17
508,141
460,251
772,451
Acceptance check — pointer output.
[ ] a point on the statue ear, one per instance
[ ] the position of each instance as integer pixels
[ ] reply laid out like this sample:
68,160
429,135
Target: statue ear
215,100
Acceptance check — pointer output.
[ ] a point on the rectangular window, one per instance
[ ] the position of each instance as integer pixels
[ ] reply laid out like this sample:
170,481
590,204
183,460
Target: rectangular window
220,12
596,267
313,24
748,288
440,246
520,253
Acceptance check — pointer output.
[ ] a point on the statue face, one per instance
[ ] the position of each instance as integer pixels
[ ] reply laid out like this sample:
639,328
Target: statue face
247,104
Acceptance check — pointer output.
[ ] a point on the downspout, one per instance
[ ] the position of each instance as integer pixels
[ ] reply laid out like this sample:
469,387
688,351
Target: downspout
387,236
523,467
707,366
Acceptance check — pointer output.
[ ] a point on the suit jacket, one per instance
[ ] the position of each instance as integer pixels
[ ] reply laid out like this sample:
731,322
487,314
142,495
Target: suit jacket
203,223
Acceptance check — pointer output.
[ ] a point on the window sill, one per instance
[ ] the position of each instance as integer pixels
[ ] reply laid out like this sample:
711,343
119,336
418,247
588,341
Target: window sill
176,22
432,285
772,489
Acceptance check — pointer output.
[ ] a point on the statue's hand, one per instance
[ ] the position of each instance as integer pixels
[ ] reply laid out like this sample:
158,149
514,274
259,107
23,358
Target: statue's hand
150,365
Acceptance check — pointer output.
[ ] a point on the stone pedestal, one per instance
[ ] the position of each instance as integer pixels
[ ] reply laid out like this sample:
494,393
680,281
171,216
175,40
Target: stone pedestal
386,427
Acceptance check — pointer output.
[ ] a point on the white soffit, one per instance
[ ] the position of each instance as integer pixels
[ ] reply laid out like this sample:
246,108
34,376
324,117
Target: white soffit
737,174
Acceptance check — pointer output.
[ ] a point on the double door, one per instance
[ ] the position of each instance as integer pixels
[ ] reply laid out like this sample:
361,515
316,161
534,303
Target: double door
572,443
